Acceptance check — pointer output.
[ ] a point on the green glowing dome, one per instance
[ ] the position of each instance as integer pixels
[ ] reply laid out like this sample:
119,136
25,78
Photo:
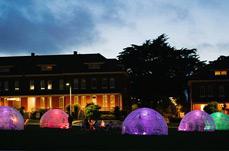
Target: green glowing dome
221,120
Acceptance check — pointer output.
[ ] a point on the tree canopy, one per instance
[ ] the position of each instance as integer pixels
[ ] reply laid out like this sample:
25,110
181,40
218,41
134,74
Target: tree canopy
157,69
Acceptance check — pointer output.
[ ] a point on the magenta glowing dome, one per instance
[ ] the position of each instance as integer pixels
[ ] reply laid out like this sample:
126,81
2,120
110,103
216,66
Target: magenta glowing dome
10,119
197,120
144,121
54,118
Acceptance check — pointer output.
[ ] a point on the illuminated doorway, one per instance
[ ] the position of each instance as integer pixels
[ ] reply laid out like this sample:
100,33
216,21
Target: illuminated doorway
31,104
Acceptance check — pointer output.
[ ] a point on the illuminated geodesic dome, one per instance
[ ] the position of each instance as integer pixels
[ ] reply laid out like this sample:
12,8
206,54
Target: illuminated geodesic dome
197,120
144,121
54,118
221,120
10,119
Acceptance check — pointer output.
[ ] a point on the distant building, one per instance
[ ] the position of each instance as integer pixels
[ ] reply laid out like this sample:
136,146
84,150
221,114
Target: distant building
211,84
39,82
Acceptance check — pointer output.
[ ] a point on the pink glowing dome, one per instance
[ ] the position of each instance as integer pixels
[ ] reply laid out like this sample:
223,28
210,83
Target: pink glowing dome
10,119
197,120
144,121
54,118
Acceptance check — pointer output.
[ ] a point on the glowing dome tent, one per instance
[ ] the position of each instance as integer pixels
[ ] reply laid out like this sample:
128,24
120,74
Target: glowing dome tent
144,121
54,118
10,119
221,120
197,120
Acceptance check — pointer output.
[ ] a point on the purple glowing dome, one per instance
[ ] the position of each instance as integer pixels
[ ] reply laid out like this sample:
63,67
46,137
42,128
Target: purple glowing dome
10,119
144,121
54,118
197,120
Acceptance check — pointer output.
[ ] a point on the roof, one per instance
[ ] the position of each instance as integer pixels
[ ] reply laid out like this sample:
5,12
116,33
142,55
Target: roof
66,63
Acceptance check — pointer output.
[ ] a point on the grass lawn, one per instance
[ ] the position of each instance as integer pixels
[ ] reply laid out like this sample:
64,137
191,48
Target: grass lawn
34,137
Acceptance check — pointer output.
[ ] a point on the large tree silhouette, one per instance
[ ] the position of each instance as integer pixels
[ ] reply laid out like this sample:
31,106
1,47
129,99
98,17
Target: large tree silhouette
157,69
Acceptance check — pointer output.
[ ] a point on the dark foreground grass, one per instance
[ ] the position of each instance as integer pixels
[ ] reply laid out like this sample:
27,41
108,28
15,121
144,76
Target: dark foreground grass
36,138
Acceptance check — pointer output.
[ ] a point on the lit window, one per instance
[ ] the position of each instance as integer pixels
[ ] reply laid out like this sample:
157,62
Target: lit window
93,83
105,103
220,73
94,100
16,85
61,84
83,84
46,67
112,83
31,84
42,84
49,85
42,102
83,101
104,83
112,101
76,100
61,102
76,84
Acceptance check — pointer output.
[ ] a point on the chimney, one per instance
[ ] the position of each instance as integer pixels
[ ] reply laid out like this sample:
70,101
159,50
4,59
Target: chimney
75,52
32,54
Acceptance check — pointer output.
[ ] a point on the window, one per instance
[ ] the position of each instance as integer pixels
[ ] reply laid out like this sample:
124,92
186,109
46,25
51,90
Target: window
42,84
76,84
5,69
220,73
221,90
210,91
46,67
104,83
202,91
61,84
31,84
112,101
16,85
105,103
83,101
76,100
83,84
93,83
94,65
42,102
0,85
6,85
112,83
61,102
94,99
49,85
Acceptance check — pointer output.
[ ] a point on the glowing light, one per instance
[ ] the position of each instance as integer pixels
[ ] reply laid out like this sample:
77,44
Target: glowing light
197,120
221,120
10,119
144,121
54,118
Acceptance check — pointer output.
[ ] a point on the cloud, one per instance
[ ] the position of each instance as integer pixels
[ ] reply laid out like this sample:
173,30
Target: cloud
108,26
43,27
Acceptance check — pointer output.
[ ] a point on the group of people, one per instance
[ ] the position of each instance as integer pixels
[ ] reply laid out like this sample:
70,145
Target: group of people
92,125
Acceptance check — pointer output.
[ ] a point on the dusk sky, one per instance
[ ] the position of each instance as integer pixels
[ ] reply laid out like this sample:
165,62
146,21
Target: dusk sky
108,26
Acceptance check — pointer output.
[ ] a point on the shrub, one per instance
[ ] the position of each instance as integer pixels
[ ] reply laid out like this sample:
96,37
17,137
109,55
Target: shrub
92,111
117,112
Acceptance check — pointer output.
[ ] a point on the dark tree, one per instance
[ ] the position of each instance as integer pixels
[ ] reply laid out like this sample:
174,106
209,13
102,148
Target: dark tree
211,107
158,70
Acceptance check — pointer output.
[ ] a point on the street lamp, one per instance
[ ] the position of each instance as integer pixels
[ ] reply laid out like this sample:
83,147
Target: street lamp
70,95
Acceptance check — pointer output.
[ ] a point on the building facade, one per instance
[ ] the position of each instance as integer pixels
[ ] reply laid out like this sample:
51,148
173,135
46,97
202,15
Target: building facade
211,84
39,82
